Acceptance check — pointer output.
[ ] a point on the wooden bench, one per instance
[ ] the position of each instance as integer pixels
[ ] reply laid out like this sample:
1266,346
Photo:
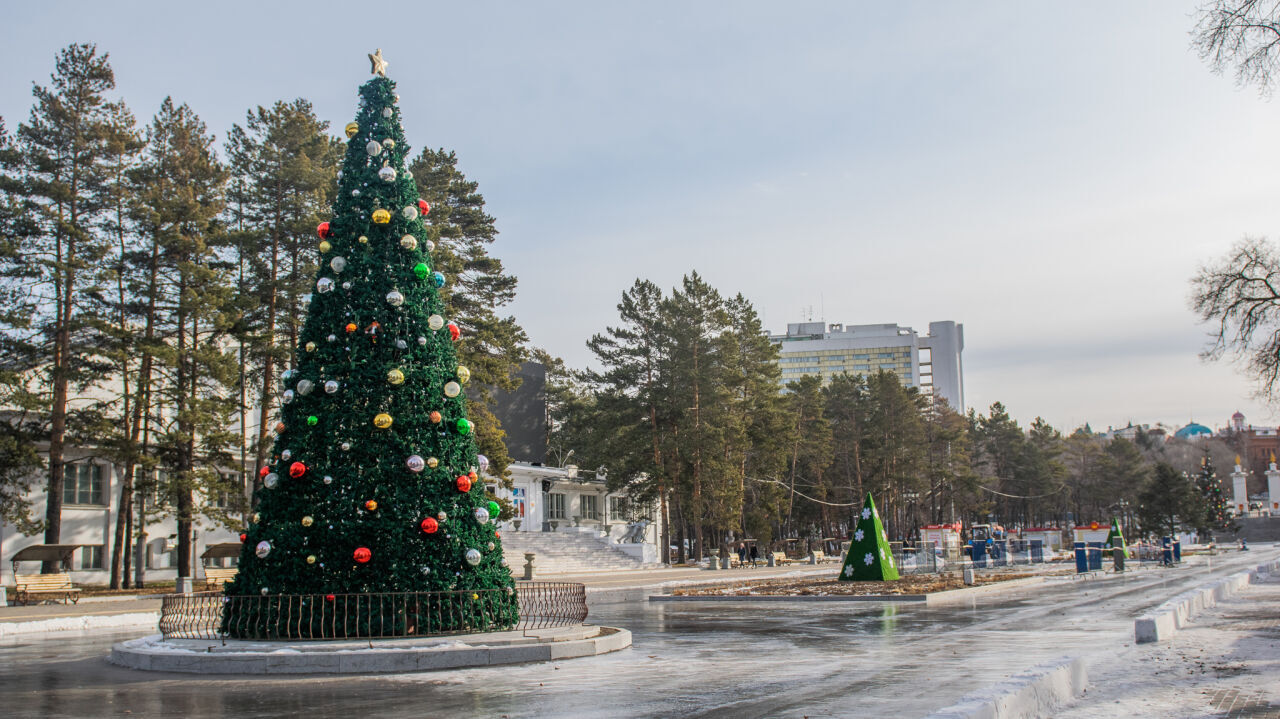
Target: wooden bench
215,577
33,586
781,558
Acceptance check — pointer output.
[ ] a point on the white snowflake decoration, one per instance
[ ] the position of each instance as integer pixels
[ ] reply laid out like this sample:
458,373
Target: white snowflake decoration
848,571
866,513
868,558
882,553
858,535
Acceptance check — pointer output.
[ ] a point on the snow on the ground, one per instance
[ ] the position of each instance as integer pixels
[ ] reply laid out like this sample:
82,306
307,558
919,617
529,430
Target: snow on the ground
79,624
1226,651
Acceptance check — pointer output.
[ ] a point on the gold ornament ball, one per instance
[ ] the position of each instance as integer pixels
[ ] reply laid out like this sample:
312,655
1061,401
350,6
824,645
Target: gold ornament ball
409,242
256,517
432,462
311,559
311,346
364,240
352,129
382,421
451,389
306,521
464,374
325,246
395,376
381,217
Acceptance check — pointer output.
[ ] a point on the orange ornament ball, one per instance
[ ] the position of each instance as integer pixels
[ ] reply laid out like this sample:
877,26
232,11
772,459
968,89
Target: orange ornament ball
435,418
371,505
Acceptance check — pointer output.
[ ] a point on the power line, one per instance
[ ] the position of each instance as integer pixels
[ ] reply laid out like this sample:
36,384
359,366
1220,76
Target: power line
802,494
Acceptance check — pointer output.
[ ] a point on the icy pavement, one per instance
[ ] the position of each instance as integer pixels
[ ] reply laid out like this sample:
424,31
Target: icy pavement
1225,664
724,660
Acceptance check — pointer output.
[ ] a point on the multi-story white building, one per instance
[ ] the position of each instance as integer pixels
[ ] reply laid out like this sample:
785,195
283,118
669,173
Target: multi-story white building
932,363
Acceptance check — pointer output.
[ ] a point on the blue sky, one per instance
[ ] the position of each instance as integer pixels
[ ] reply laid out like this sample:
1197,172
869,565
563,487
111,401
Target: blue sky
1048,174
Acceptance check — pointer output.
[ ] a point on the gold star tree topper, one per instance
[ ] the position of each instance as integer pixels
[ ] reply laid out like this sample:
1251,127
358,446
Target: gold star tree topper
379,65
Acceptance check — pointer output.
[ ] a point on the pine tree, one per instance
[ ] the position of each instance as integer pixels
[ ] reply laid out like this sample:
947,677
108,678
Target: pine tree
181,188
63,161
372,483
283,163
482,287
869,557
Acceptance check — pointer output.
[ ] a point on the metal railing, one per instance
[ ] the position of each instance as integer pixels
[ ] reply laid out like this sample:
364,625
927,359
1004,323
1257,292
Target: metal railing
530,605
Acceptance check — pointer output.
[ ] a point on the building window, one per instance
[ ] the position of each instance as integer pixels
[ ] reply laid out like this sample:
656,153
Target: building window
617,509
555,506
82,484
92,556
520,502
590,506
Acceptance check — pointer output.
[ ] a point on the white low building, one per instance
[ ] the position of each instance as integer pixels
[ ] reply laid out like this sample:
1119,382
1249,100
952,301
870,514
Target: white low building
90,507
565,500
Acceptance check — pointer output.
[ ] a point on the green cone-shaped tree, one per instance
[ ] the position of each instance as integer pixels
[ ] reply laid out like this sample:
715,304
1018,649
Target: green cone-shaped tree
869,558
371,486
1115,538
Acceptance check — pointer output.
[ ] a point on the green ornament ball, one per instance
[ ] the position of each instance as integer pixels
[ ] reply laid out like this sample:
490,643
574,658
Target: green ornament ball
494,508
421,270
465,426
313,421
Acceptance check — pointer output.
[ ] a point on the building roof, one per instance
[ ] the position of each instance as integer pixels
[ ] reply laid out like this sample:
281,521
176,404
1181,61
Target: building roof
1193,429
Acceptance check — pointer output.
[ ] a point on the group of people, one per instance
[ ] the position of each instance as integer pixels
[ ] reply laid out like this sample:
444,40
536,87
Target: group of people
744,552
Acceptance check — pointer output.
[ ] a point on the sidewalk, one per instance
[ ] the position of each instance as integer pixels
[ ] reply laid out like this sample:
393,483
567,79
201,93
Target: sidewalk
1226,664
623,585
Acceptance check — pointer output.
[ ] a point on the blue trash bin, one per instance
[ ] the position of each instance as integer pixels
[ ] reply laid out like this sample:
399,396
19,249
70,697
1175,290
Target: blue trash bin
1037,551
1095,555
978,553
1082,558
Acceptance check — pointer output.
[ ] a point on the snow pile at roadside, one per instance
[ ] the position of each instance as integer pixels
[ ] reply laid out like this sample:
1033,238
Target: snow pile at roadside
81,624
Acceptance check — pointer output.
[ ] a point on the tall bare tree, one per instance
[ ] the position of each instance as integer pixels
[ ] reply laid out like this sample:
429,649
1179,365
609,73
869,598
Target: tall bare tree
1242,36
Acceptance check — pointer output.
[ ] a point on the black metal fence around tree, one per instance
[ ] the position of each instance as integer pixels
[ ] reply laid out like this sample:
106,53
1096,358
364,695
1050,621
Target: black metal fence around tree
530,605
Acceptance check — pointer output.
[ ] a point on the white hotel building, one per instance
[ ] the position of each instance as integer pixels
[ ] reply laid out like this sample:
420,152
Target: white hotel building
931,363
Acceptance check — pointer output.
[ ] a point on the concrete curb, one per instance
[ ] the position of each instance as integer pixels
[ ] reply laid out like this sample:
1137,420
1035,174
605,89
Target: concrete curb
1164,620
365,656
950,596
136,620
1035,692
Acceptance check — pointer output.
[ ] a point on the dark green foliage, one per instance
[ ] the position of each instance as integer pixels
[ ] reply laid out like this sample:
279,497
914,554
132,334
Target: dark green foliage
367,463
1168,503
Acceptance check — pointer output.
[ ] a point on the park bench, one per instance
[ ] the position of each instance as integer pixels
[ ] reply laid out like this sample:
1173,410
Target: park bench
215,577
33,586
781,558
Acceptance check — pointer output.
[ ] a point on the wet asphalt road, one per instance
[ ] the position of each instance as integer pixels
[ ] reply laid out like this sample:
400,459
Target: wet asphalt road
690,660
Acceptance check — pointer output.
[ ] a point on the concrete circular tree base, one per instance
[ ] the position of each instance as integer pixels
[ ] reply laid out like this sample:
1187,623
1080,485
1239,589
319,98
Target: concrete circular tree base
365,656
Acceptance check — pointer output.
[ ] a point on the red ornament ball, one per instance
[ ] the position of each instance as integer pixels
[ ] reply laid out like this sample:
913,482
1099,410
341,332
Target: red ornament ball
329,597
264,471
243,537
297,469
323,230
423,207
362,555
430,525
464,483
454,332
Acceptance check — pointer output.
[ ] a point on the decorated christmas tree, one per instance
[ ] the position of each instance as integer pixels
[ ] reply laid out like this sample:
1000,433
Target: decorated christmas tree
1115,538
1216,507
869,557
372,486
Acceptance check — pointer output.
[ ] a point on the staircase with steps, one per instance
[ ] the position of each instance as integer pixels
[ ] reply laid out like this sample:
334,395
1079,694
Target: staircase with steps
565,554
